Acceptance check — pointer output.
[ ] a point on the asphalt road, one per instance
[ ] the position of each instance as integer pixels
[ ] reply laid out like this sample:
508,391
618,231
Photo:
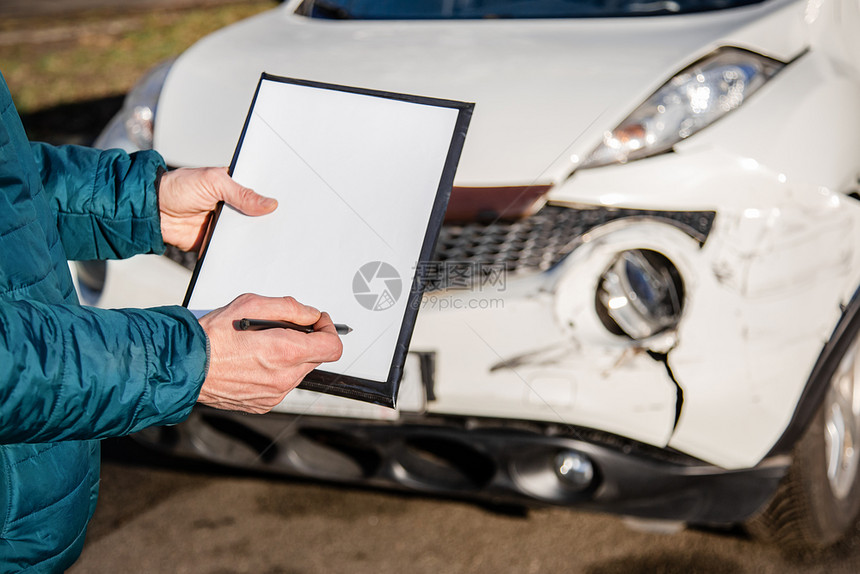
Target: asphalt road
161,515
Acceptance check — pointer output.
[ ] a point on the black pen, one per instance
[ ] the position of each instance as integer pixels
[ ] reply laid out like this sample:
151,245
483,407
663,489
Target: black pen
261,324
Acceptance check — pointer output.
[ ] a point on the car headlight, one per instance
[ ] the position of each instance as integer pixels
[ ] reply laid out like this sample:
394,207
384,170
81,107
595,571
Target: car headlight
640,295
693,99
131,128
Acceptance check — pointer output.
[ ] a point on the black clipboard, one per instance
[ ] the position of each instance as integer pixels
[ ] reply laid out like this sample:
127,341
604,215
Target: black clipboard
363,178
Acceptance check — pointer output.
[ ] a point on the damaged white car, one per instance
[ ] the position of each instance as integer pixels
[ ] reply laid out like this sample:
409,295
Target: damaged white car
645,298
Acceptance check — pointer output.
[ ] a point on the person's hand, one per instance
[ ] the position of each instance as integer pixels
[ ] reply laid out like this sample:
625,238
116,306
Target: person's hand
187,196
252,371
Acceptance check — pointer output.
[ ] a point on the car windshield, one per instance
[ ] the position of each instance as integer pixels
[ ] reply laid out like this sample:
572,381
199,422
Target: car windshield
479,9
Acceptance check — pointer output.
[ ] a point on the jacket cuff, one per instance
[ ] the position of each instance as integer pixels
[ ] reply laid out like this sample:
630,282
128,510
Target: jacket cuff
158,246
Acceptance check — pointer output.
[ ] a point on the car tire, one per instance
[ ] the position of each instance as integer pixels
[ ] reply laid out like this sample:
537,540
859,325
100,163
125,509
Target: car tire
817,503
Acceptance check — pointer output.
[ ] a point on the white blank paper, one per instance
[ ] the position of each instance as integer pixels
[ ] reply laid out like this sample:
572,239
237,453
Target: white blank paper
356,176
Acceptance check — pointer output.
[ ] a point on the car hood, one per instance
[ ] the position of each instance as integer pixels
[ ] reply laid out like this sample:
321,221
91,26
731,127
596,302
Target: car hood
545,90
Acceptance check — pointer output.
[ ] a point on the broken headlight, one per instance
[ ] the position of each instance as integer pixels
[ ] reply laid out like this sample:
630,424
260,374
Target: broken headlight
693,99
640,295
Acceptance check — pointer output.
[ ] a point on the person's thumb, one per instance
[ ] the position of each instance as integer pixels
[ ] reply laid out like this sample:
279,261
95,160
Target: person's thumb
245,199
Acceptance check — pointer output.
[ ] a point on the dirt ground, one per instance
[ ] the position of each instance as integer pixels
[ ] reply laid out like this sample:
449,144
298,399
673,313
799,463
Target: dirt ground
158,514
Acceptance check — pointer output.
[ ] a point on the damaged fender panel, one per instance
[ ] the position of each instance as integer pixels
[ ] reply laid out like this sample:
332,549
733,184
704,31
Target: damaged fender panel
779,274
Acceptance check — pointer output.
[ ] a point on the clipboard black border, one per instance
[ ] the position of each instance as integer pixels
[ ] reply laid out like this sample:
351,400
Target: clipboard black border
380,393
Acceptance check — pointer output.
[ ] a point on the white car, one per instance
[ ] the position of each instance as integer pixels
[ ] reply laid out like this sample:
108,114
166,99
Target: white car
645,300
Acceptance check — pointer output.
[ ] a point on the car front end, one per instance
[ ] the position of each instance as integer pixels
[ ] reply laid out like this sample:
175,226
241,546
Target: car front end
647,277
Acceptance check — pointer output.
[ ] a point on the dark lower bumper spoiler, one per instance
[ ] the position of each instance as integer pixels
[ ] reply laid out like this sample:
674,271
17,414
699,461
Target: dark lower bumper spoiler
497,461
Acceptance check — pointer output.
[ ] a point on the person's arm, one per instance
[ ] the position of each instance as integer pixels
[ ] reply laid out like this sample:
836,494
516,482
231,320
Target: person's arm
112,205
71,372
105,200
74,373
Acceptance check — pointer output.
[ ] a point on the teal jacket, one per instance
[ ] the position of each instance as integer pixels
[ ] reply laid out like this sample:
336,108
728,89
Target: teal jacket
70,375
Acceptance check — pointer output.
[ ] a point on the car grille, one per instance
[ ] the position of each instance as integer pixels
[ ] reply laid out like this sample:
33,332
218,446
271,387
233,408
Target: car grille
187,259
536,243
466,253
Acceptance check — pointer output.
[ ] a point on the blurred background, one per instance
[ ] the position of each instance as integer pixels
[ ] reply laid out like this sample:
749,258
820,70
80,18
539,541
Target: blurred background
68,64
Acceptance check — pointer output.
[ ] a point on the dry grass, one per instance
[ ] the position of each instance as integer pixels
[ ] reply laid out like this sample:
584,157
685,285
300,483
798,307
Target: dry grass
93,56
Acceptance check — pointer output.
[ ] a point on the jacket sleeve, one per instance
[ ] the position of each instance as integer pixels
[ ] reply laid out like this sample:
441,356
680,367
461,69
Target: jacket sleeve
73,373
105,200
